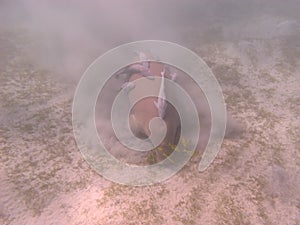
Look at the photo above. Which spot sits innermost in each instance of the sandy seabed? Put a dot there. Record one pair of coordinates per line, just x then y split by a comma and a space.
254, 179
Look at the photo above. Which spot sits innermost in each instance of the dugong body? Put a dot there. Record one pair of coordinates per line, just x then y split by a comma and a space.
149, 108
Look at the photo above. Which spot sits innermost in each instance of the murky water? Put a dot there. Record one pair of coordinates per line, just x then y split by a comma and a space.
254, 179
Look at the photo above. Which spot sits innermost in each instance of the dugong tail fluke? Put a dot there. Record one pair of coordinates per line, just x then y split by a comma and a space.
142, 68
